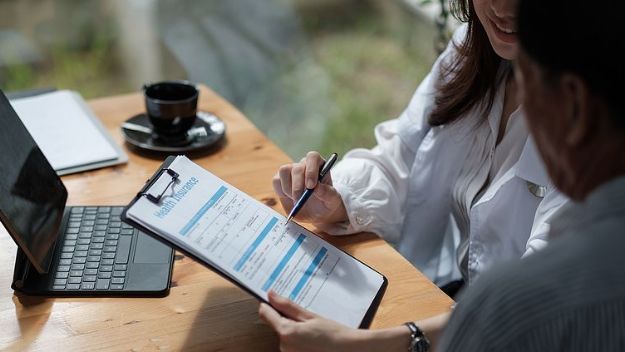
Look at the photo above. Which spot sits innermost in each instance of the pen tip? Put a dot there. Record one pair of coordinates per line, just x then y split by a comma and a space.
289, 219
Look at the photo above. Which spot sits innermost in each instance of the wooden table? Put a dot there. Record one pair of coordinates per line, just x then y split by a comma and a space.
203, 311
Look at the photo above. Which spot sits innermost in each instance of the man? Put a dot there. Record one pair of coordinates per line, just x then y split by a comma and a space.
570, 296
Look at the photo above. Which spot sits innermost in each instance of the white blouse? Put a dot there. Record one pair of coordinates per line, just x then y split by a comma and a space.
449, 198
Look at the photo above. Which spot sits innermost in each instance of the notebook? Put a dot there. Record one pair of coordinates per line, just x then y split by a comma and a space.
252, 245
67, 131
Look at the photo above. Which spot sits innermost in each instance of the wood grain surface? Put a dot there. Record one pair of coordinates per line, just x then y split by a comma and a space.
203, 311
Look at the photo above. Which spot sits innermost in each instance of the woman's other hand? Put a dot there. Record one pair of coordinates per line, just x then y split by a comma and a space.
302, 331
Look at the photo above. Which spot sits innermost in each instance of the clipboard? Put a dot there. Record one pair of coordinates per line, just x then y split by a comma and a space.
154, 195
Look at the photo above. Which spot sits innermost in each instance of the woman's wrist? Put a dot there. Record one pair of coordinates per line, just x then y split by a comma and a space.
391, 339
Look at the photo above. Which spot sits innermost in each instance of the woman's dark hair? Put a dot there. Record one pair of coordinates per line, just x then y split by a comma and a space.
581, 38
471, 76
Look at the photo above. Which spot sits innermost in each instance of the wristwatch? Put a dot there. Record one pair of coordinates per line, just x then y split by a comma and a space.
418, 341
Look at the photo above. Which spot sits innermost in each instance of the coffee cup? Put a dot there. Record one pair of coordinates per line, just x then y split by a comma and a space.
171, 107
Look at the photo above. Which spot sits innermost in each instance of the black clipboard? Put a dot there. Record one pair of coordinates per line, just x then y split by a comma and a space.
165, 169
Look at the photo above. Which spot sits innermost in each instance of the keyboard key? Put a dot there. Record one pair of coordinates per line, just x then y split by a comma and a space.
74, 280
110, 242
104, 209
79, 260
73, 224
120, 267
63, 268
82, 247
77, 266
102, 284
67, 255
93, 265
91, 209
117, 287
68, 249
80, 254
117, 280
104, 275
115, 224
86, 229
69, 242
87, 285
100, 227
102, 221
126, 226
108, 255
84, 241
72, 236
62, 274
84, 235
60, 281
90, 217
127, 231
123, 250
77, 210
90, 272
110, 249
111, 236
114, 230
75, 273
88, 278
72, 230
106, 268
65, 261
106, 262
93, 258
97, 252
99, 233
117, 210
72, 287
58, 287
119, 273
96, 245
97, 240
88, 223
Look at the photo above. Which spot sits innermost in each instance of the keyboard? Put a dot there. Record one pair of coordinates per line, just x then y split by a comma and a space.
95, 250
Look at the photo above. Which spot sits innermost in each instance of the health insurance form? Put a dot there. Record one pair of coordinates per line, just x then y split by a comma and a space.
253, 245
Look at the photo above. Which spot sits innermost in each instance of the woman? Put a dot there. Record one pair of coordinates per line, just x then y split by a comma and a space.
454, 183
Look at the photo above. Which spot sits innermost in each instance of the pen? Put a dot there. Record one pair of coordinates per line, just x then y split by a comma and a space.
325, 168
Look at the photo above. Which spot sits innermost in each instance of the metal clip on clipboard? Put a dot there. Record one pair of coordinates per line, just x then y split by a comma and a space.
157, 198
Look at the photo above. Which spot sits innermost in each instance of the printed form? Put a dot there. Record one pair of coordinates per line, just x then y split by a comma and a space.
252, 244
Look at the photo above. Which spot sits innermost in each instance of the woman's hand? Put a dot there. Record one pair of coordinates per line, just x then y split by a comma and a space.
302, 331
325, 206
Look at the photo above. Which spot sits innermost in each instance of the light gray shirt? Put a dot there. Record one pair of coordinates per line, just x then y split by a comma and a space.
569, 297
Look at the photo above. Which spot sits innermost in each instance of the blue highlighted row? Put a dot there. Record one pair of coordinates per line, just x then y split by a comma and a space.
255, 244
220, 192
276, 272
308, 273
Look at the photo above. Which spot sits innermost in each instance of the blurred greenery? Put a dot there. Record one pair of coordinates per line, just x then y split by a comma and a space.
372, 54
374, 65
84, 69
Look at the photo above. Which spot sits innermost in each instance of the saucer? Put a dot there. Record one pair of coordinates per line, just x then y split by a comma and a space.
205, 134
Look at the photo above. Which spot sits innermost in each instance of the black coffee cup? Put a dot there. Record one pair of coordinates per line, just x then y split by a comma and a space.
171, 107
